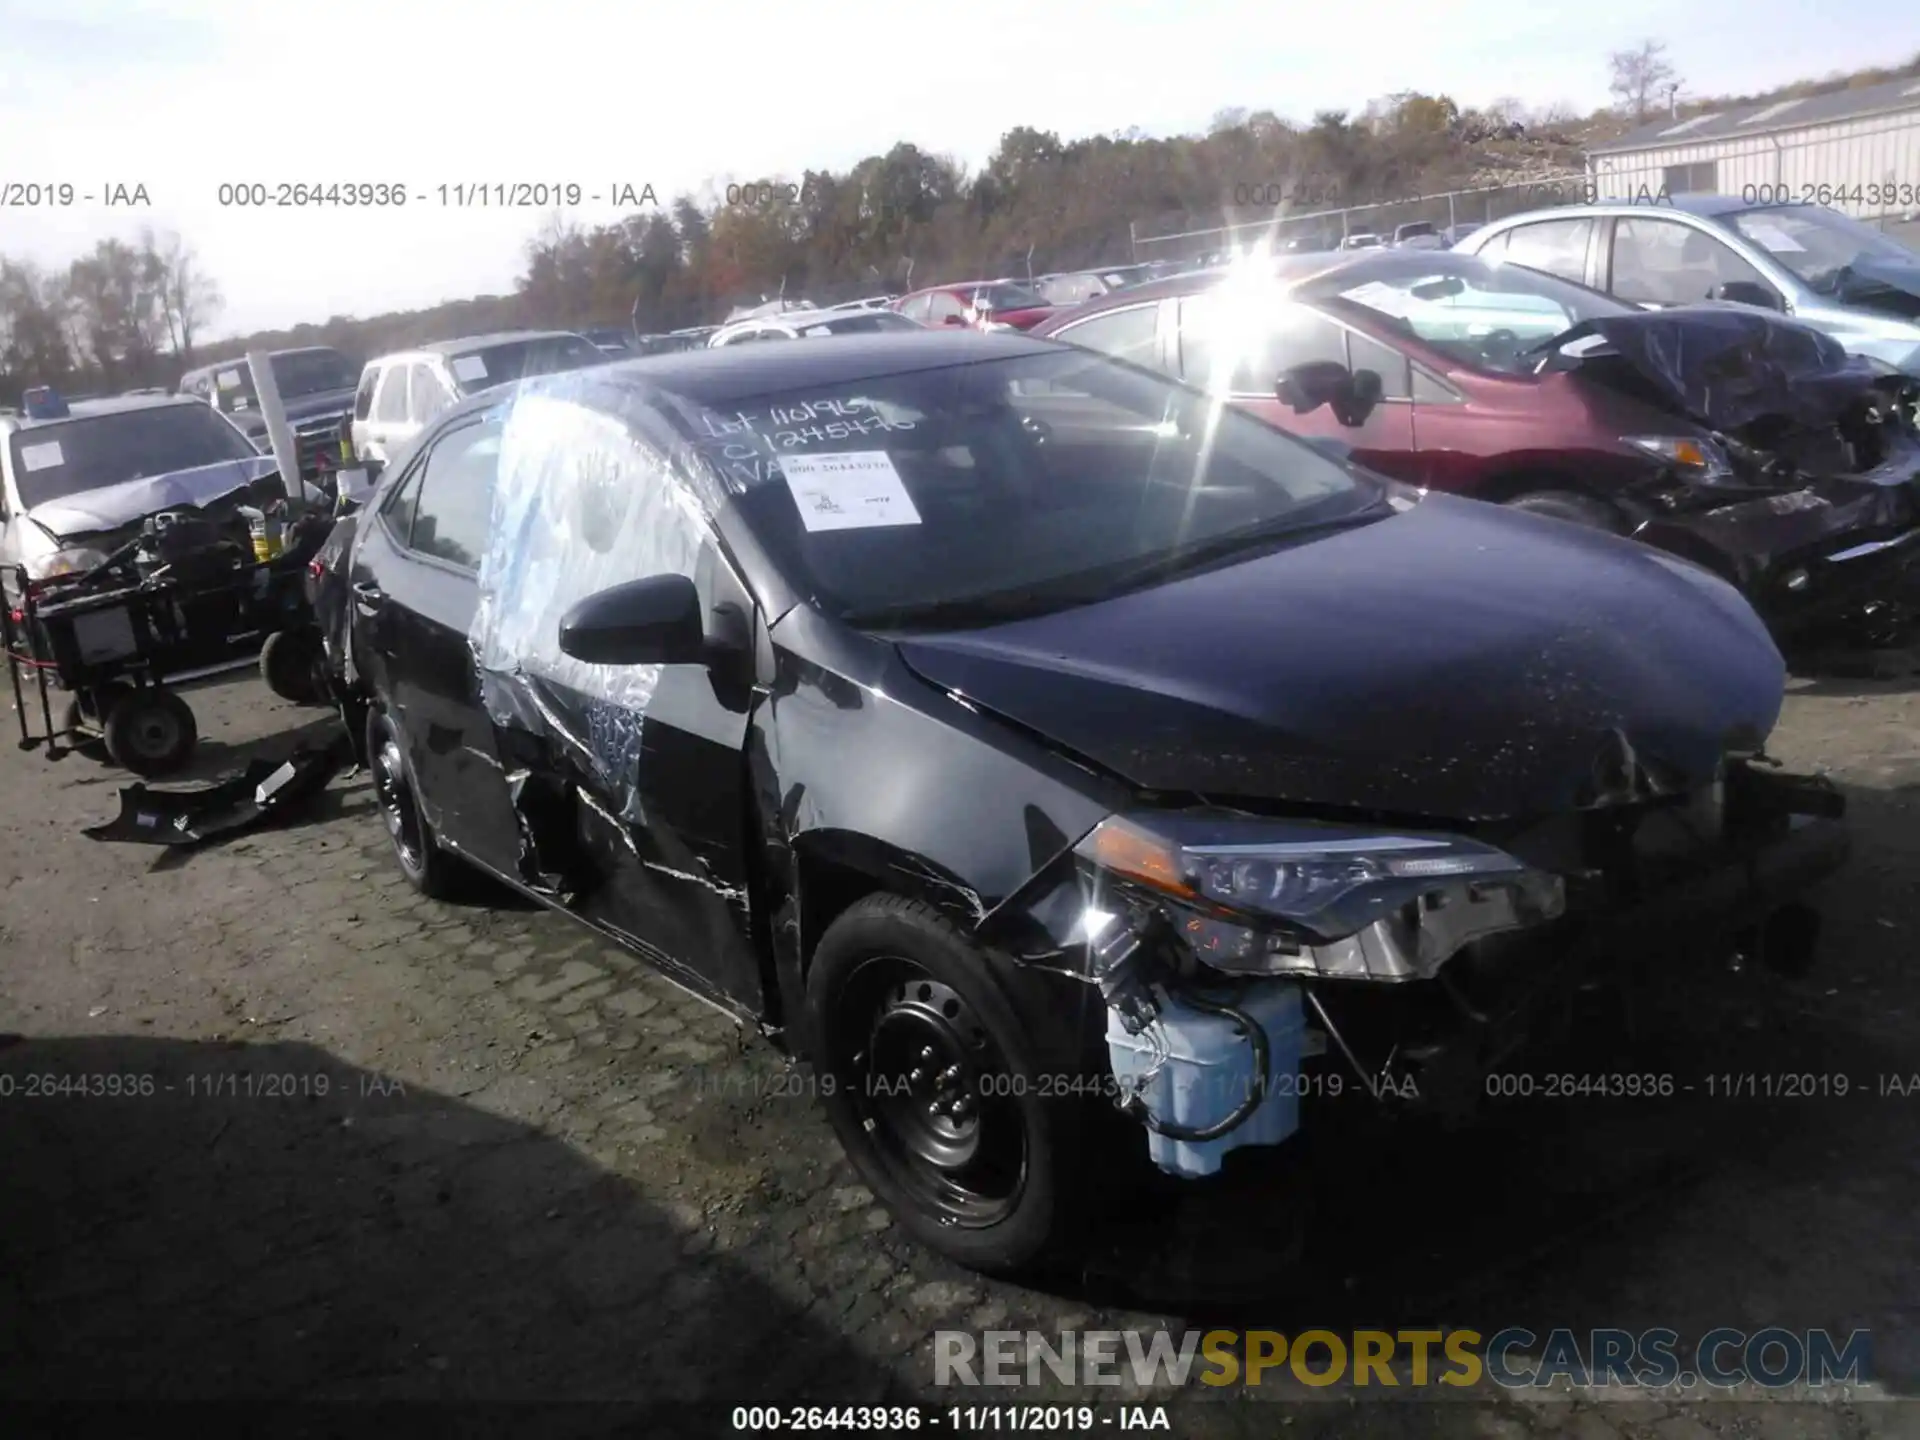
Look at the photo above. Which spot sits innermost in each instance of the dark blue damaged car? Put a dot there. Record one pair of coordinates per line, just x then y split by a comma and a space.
1068, 769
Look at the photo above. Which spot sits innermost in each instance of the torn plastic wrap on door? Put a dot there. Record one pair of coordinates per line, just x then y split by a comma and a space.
582, 502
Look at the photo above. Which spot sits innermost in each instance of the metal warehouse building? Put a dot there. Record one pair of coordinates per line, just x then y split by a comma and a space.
1855, 150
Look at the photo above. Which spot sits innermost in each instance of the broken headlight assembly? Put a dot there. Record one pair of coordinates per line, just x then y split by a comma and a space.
1315, 900
1698, 462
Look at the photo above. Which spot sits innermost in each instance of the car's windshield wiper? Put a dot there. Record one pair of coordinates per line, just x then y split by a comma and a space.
999, 606
985, 608
1185, 558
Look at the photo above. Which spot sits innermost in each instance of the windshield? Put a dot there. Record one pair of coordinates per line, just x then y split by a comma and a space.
298, 373
1484, 315
51, 462
1817, 244
482, 369
1007, 297
312, 372
944, 496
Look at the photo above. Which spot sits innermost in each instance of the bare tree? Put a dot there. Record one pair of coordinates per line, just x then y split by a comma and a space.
1642, 78
188, 297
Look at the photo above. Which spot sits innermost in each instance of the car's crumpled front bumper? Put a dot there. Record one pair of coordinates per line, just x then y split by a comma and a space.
1807, 555
1641, 889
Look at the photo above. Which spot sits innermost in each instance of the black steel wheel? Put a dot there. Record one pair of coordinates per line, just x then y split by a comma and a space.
428, 868
291, 663
150, 731
937, 1088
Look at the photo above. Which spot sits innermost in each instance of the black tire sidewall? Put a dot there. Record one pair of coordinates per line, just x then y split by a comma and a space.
381, 726
892, 926
126, 712
287, 665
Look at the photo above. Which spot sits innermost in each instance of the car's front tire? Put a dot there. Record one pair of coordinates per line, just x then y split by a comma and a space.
428, 868
954, 1109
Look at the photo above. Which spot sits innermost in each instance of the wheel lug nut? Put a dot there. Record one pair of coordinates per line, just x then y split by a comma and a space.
917, 1075
927, 1053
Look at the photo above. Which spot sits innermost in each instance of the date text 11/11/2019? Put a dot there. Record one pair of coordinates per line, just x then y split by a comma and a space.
199, 1085
460, 195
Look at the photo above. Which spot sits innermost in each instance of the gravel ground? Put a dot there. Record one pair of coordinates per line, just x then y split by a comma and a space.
397, 1150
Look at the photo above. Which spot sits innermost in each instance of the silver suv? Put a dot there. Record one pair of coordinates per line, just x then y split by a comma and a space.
1827, 269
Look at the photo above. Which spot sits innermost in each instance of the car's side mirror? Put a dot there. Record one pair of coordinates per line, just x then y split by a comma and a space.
1366, 388
1746, 292
1305, 388
954, 320
655, 621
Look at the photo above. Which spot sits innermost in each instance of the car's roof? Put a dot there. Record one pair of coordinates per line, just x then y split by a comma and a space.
485, 342
1314, 273
731, 375
241, 360
471, 343
1701, 206
112, 405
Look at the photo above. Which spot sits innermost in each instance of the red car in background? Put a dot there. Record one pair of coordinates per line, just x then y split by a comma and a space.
976, 303
1745, 442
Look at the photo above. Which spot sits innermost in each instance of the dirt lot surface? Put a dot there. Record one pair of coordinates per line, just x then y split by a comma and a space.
398, 1150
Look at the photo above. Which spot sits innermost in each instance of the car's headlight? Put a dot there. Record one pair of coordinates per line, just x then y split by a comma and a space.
1303, 897
1702, 461
52, 564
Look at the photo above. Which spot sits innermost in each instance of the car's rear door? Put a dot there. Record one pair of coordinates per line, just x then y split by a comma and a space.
421, 561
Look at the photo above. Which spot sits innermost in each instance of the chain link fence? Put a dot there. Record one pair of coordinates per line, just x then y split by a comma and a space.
1289, 227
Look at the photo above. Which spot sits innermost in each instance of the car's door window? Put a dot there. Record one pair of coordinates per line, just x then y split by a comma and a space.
427, 396
363, 397
390, 404
455, 508
1221, 350
396, 511
944, 307
1557, 247
1130, 334
918, 308
1393, 368
1664, 262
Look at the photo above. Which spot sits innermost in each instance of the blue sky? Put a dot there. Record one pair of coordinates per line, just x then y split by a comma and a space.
172, 94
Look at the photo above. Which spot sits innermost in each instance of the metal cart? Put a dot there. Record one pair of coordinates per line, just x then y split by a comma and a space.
119, 643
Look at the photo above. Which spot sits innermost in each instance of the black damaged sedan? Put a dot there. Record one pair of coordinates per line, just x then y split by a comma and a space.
1066, 767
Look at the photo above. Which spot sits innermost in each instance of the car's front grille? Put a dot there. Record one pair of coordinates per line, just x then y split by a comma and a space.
318, 437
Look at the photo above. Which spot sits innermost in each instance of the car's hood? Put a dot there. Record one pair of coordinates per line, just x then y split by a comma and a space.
114, 506
1457, 661
1728, 367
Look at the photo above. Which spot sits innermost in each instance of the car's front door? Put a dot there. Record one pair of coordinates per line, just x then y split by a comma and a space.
1219, 349
1658, 262
386, 427
670, 834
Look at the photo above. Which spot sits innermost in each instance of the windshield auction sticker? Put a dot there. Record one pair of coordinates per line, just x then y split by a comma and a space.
848, 490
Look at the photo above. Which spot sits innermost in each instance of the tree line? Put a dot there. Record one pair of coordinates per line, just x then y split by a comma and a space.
132, 314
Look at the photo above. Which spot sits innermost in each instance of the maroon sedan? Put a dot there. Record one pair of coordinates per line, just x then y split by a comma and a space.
1740, 440
976, 303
